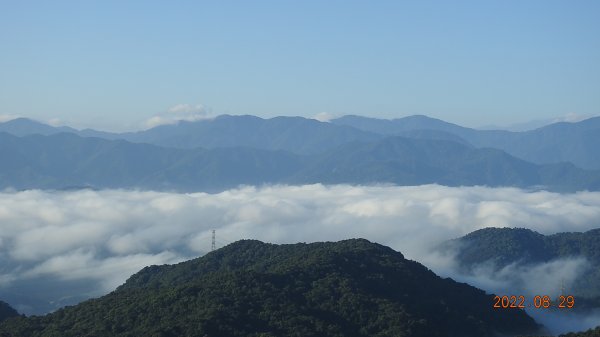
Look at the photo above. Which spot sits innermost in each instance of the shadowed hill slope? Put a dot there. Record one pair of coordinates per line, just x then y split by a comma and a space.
6, 311
506, 246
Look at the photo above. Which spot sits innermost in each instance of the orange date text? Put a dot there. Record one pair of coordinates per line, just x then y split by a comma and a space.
538, 302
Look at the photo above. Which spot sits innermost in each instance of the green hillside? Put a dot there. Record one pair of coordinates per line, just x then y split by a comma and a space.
249, 288
505, 246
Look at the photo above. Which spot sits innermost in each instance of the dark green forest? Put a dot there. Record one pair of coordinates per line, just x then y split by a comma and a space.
249, 288
590, 333
6, 311
504, 246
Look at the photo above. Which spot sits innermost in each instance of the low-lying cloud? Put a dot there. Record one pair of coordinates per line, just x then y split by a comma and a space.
324, 117
545, 278
102, 237
572, 117
6, 118
177, 113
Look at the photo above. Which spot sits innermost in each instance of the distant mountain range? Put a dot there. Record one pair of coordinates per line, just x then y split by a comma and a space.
294, 134
558, 142
249, 288
555, 143
68, 161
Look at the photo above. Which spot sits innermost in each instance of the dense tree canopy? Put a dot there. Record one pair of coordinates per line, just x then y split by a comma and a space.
249, 288
505, 246
6, 311
590, 333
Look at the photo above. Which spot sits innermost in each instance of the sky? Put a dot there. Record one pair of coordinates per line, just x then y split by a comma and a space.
115, 65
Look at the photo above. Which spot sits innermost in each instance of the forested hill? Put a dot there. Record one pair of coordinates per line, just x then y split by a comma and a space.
590, 333
6, 311
505, 246
509, 245
250, 288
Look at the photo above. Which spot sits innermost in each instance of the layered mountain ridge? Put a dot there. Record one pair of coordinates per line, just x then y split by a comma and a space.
229, 151
67, 161
554, 143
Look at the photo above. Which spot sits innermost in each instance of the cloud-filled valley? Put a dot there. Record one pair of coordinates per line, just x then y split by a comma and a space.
145, 149
93, 240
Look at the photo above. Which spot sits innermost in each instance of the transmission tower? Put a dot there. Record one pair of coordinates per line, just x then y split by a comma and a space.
213, 246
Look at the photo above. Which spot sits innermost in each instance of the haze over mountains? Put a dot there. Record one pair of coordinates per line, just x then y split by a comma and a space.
558, 142
72, 253
216, 154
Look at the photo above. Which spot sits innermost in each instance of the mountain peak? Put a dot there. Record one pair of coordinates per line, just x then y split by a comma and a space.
25, 126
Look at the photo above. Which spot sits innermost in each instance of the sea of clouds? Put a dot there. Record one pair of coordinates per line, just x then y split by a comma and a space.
61, 247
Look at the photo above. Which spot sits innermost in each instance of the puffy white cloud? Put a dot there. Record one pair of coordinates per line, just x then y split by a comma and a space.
179, 112
324, 116
102, 237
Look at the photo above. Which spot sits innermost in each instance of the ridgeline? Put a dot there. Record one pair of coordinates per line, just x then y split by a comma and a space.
250, 288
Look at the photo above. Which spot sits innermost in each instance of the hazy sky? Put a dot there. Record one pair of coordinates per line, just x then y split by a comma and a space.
115, 64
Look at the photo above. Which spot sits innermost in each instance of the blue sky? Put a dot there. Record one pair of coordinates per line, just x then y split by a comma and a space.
115, 64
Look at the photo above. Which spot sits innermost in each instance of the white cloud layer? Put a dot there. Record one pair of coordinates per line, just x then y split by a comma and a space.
102, 237
177, 113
